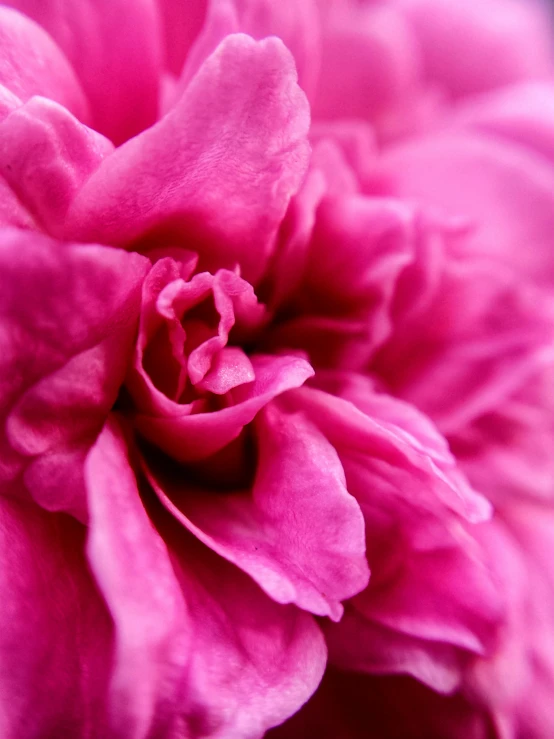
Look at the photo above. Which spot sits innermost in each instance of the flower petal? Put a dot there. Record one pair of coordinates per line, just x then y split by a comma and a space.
135, 575
32, 64
298, 533
114, 46
253, 662
46, 156
63, 353
55, 632
217, 172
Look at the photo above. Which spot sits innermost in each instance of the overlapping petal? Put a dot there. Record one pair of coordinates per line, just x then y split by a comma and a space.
68, 320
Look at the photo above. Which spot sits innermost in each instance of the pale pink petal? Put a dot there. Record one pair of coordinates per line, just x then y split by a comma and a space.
216, 174
253, 662
521, 113
32, 64
55, 632
470, 47
298, 533
46, 156
115, 48
505, 192
134, 573
67, 320
370, 65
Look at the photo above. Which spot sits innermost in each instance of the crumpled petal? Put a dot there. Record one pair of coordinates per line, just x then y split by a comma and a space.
114, 46
216, 174
298, 533
63, 355
32, 64
56, 636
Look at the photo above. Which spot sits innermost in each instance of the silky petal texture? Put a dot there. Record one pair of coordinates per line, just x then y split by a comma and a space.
503, 190
63, 355
227, 159
253, 662
56, 639
468, 48
298, 533
133, 569
32, 64
114, 47
46, 156
296, 24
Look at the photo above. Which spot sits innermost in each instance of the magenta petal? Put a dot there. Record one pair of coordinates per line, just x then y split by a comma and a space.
298, 533
227, 158
253, 662
46, 156
134, 573
55, 632
190, 436
63, 354
32, 64
114, 46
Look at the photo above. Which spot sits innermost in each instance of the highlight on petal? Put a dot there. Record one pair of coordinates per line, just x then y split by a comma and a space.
63, 355
114, 47
32, 64
215, 175
298, 532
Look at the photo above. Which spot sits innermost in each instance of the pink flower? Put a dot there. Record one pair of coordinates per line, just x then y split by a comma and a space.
275, 390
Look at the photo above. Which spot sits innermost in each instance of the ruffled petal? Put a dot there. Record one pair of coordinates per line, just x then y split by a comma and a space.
216, 174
